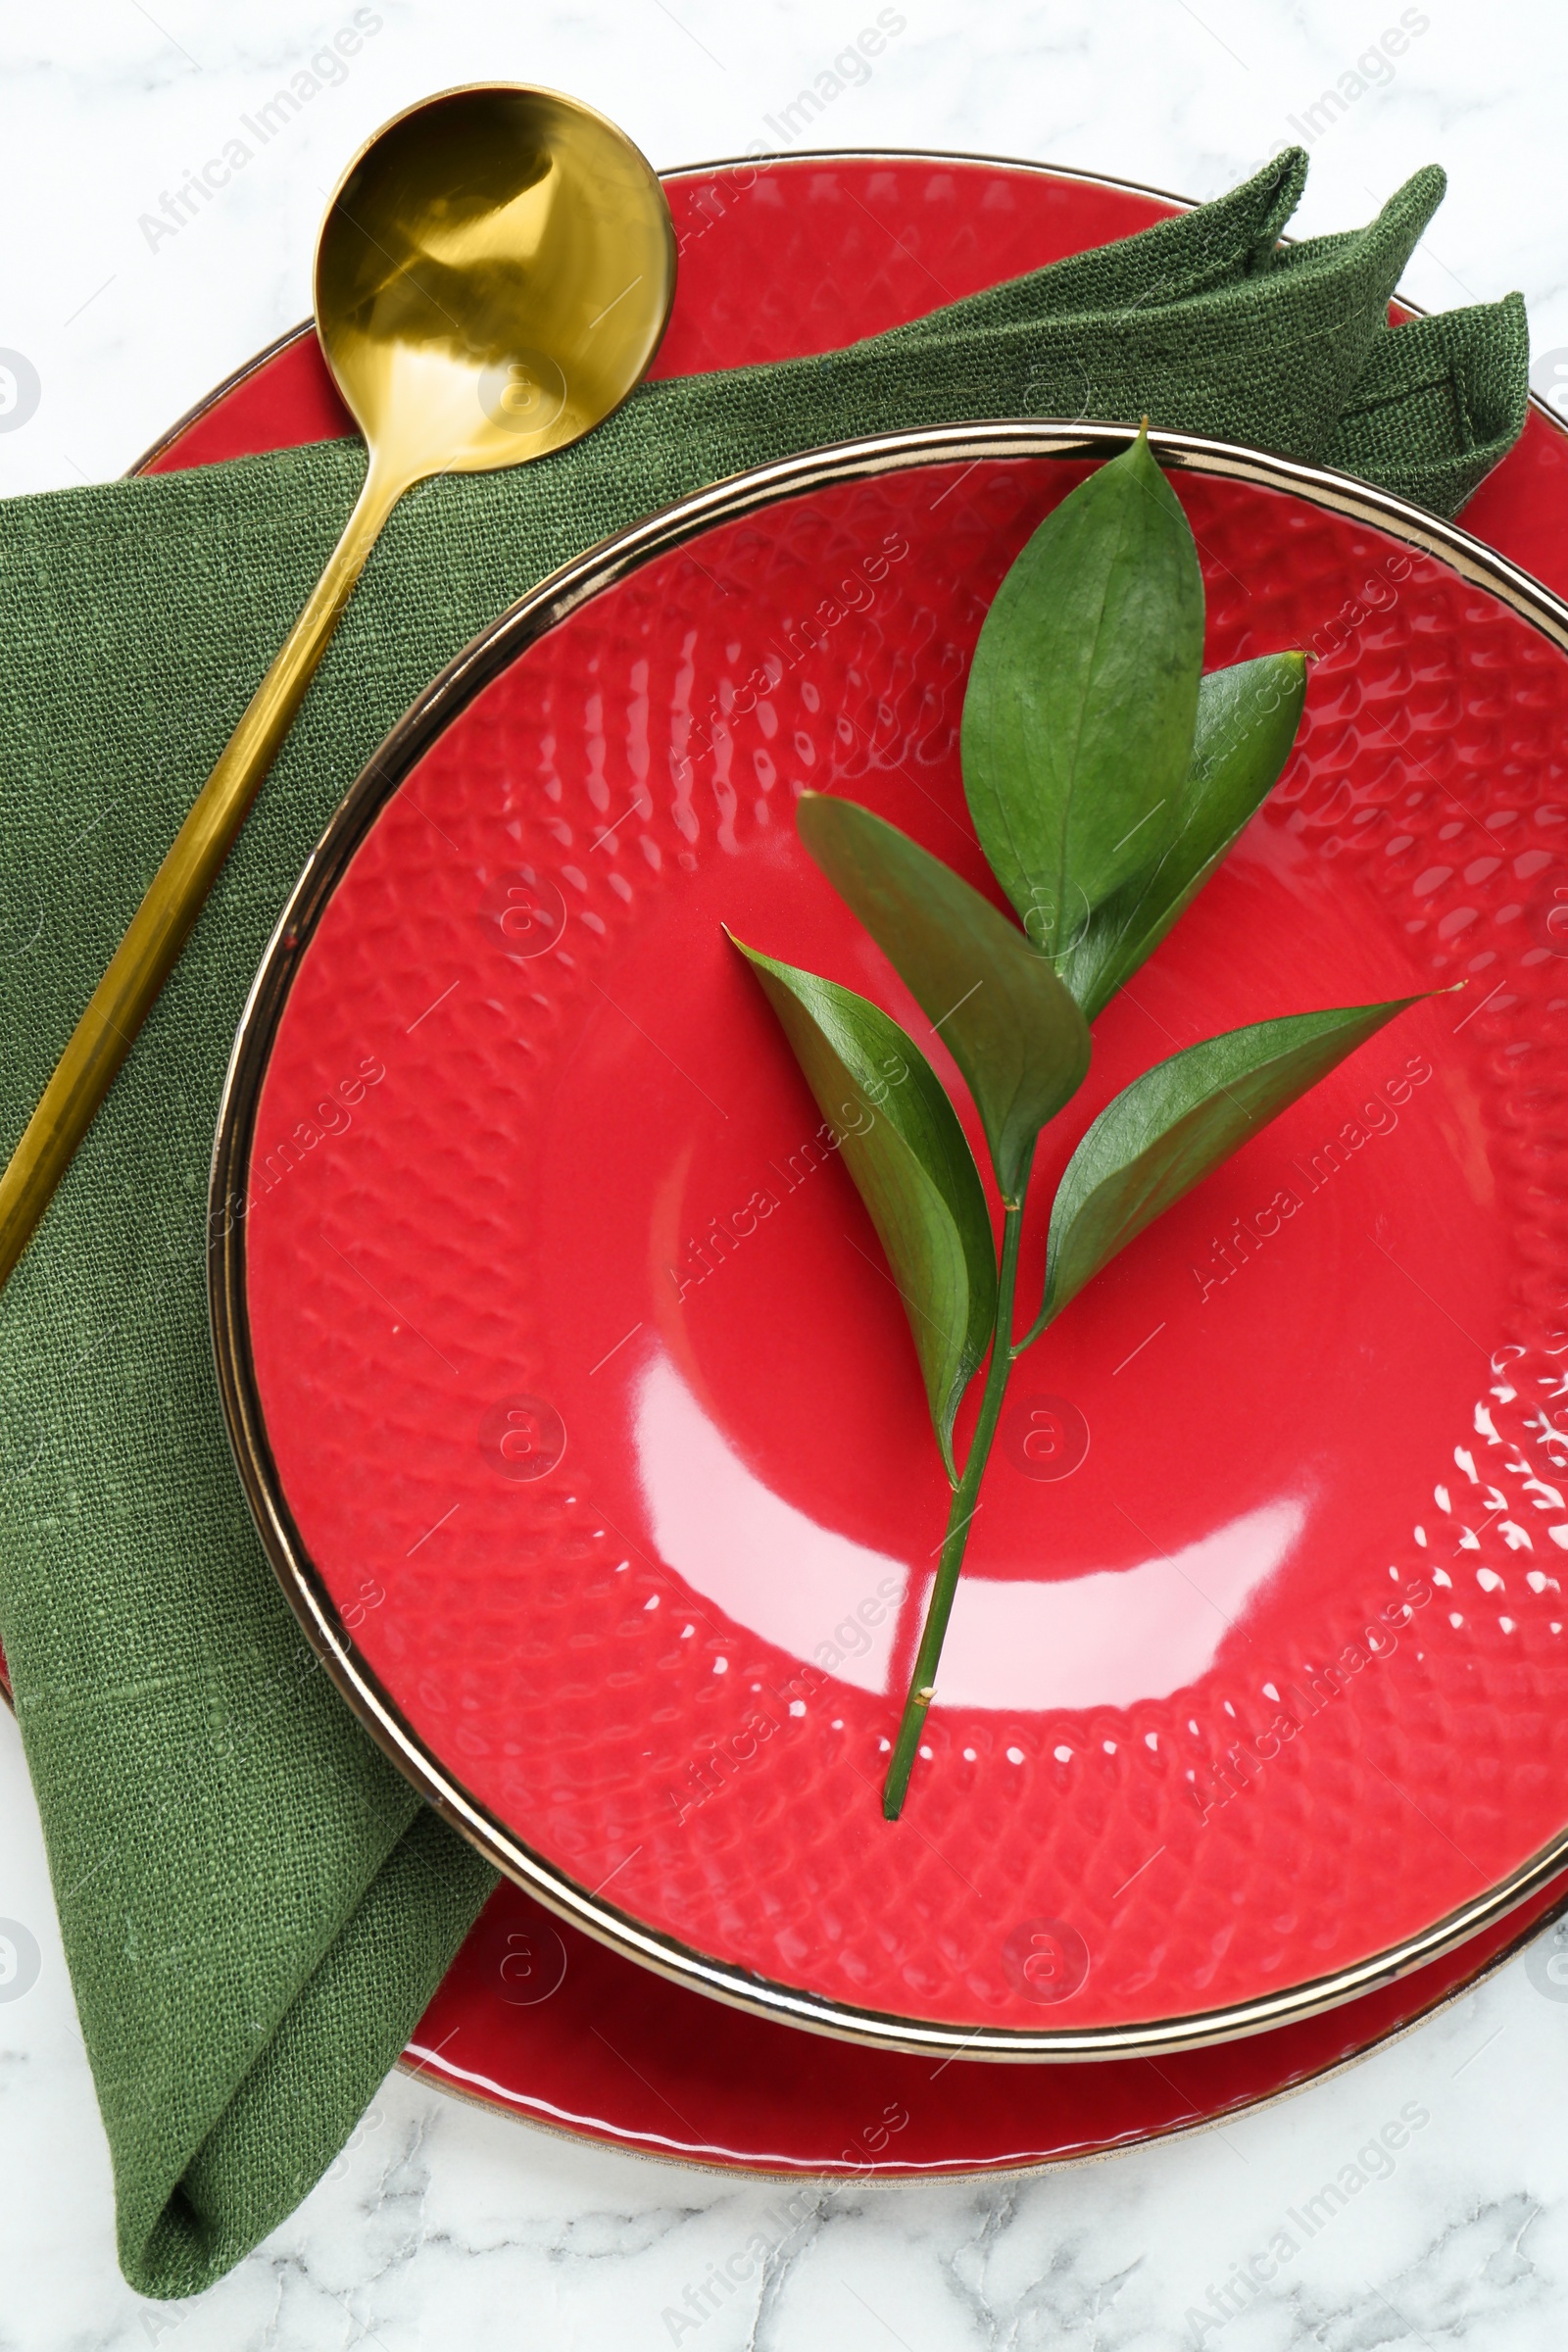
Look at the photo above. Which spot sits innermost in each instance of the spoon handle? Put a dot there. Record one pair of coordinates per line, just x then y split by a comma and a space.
167, 915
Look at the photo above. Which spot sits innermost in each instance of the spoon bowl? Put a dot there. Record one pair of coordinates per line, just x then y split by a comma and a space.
493, 276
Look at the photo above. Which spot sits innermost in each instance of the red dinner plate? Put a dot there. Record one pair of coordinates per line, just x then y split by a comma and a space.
511, 2026
547, 1320
542, 2022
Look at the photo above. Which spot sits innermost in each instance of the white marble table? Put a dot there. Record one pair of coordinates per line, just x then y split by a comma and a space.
442, 2226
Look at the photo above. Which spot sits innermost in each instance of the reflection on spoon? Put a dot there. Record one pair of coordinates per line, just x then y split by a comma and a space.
1108, 1639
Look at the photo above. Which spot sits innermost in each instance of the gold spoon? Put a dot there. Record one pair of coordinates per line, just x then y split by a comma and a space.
493, 275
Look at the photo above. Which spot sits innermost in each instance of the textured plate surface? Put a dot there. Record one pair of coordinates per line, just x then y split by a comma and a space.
568, 1344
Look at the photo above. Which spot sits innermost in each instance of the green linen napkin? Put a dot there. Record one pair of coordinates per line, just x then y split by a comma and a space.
254, 1906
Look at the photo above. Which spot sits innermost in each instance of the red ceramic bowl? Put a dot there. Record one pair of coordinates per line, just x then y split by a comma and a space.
1261, 1704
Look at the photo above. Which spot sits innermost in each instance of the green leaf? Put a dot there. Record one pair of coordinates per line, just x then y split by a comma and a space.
1166, 1132
1012, 1027
901, 1140
1082, 699
1248, 716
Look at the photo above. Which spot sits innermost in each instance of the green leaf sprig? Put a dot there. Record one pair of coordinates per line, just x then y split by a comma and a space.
1106, 778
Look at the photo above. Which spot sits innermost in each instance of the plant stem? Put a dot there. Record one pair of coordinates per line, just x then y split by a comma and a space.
922, 1682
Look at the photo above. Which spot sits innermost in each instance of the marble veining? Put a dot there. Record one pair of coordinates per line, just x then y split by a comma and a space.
440, 2223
